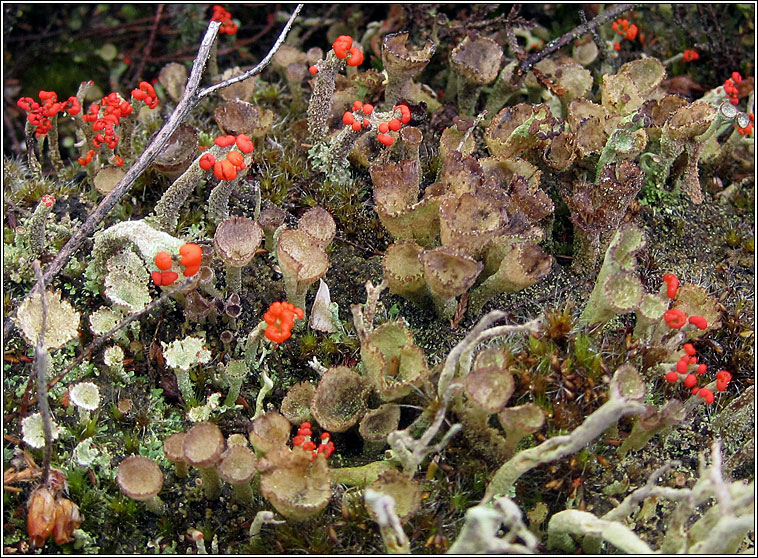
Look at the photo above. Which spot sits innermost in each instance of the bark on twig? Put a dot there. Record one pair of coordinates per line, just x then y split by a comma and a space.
565, 39
149, 45
188, 101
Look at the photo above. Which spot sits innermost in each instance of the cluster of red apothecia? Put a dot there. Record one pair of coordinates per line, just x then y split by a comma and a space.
687, 368
689, 55
227, 169
280, 318
227, 25
343, 48
394, 124
39, 115
191, 256
625, 29
303, 440
103, 116
730, 88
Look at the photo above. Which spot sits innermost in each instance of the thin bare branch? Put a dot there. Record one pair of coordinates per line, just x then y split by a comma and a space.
259, 67
188, 101
563, 40
149, 45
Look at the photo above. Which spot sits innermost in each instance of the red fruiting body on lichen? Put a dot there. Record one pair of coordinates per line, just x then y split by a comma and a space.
366, 123
235, 158
280, 318
722, 380
348, 118
191, 257
164, 278
84, 161
356, 57
681, 366
357, 105
225, 141
706, 394
342, 45
224, 170
701, 369
689, 348
244, 143
384, 128
672, 284
731, 90
48, 200
207, 161
699, 321
405, 113
690, 381
385, 139
616, 46
227, 25
313, 70
675, 318
690, 55
163, 260
357, 126
146, 93
747, 130
367, 108
671, 376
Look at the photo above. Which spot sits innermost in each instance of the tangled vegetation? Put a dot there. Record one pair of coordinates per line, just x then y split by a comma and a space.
379, 279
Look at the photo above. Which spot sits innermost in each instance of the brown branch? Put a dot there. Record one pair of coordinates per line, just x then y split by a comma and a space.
509, 33
259, 67
238, 44
150, 41
565, 39
188, 101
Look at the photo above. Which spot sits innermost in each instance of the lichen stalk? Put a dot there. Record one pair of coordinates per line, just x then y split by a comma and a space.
53, 147
243, 493
235, 385
185, 384
320, 105
211, 482
167, 208
36, 234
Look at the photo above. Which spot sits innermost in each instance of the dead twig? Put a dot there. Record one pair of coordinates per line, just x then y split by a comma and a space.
150, 41
565, 39
188, 101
